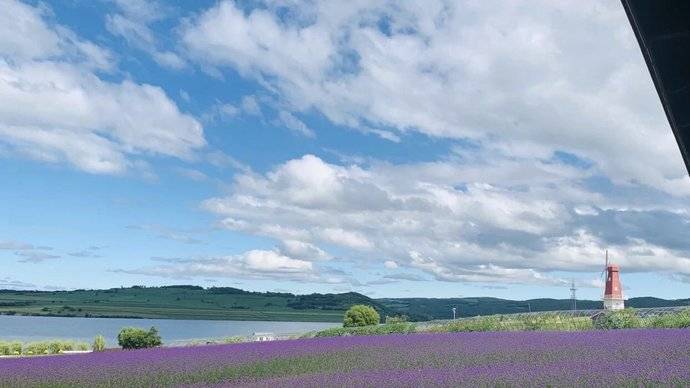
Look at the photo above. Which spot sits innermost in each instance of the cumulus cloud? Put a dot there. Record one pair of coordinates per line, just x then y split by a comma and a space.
525, 80
253, 264
508, 221
303, 250
54, 106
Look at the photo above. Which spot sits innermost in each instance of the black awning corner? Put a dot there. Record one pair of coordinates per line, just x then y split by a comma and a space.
662, 28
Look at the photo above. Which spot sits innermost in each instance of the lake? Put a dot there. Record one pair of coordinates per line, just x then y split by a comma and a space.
173, 331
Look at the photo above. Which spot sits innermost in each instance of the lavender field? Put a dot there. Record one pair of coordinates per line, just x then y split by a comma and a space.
638, 357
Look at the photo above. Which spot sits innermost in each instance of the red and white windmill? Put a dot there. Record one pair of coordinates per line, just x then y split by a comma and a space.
613, 291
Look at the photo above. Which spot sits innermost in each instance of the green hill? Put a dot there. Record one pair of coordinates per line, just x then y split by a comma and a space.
424, 309
184, 302
228, 303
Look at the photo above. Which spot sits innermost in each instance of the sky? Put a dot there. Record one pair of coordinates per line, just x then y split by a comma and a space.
397, 149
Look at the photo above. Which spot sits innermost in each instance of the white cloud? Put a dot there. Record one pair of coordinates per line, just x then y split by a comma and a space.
221, 159
303, 250
133, 22
251, 106
31, 256
294, 124
254, 264
23, 34
507, 221
524, 80
271, 261
220, 111
55, 108
390, 264
15, 245
192, 174
85, 253
346, 238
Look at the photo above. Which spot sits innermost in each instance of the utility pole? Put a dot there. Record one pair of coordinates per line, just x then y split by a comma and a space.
529, 307
573, 296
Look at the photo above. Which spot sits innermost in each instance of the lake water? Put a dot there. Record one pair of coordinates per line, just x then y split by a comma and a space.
173, 331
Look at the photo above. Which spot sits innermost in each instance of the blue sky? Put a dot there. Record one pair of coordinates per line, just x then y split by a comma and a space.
451, 149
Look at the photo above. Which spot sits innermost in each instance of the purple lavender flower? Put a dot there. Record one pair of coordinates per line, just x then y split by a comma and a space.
601, 358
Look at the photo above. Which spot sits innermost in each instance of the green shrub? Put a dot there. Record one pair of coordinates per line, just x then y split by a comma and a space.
392, 328
56, 347
553, 322
620, 319
396, 319
234, 340
490, 323
136, 338
10, 348
361, 315
677, 320
36, 348
98, 343
53, 347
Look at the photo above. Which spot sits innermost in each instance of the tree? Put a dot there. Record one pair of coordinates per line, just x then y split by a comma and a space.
135, 338
361, 315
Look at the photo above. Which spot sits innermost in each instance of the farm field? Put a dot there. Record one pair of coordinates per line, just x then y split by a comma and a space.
636, 357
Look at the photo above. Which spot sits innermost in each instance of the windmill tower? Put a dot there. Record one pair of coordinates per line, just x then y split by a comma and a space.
613, 292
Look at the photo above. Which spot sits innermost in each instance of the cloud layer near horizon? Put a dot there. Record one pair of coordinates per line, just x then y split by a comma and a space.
457, 221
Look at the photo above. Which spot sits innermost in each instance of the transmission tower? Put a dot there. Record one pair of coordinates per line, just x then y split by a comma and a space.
573, 296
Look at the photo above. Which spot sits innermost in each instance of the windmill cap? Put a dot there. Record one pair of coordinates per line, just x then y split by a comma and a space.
613, 267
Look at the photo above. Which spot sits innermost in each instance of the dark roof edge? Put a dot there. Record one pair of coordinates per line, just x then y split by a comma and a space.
660, 89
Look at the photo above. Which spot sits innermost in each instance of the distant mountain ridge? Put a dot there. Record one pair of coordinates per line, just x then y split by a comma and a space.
424, 309
185, 302
229, 303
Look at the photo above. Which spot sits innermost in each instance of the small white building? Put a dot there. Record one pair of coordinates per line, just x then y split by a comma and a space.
262, 337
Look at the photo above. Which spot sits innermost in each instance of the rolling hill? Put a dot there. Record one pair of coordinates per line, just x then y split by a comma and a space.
424, 309
228, 303
184, 302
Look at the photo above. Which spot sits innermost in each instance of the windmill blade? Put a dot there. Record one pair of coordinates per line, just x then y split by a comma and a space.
603, 272
606, 266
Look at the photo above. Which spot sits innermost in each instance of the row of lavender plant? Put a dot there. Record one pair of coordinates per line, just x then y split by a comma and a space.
616, 357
